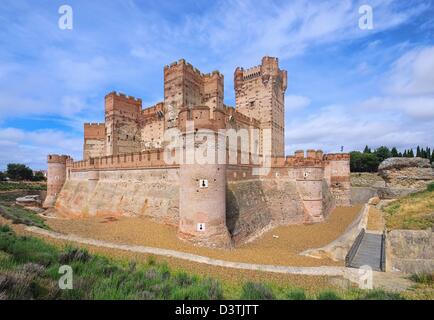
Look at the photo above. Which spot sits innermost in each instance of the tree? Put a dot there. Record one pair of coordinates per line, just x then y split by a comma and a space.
363, 162
367, 149
418, 152
410, 153
432, 157
16, 171
382, 153
39, 176
2, 176
394, 152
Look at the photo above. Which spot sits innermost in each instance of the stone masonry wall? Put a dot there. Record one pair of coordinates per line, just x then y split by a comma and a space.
410, 251
153, 193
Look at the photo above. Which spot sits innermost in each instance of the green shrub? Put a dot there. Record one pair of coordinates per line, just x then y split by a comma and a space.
5, 228
378, 294
295, 294
328, 295
423, 278
430, 187
256, 291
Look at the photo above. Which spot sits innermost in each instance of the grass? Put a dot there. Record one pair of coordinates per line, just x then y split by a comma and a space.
423, 278
17, 214
413, 212
29, 269
9, 186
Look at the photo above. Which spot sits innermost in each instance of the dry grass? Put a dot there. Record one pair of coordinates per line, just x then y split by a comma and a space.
414, 212
375, 219
282, 250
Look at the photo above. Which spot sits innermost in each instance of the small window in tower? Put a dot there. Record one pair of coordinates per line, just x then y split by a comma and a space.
108, 138
127, 137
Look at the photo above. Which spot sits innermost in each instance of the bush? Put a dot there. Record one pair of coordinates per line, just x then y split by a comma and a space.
73, 255
363, 162
328, 295
423, 278
430, 187
256, 291
378, 294
296, 294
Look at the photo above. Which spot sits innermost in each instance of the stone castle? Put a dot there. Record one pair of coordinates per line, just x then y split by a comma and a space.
217, 204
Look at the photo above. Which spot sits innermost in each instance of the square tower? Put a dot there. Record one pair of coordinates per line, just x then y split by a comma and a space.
122, 130
260, 94
185, 87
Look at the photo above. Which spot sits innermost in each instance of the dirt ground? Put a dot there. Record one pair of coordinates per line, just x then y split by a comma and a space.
269, 249
375, 220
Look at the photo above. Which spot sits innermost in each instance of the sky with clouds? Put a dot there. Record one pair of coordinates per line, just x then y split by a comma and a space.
346, 86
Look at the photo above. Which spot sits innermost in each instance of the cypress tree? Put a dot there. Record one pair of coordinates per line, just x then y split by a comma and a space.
411, 153
367, 149
418, 153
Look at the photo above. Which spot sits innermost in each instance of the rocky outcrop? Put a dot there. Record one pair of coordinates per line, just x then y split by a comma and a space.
404, 176
410, 251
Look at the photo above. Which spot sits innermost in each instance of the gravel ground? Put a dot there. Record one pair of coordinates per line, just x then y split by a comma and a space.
265, 250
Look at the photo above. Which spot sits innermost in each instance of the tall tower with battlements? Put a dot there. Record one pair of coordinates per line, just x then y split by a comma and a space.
259, 93
185, 87
122, 130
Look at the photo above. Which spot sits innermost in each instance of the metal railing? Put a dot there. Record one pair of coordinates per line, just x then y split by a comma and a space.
353, 250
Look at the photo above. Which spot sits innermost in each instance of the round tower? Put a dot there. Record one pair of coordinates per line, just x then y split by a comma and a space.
56, 177
202, 195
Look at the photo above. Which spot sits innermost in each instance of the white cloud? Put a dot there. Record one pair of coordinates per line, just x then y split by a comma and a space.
32, 147
295, 102
420, 108
413, 73
336, 126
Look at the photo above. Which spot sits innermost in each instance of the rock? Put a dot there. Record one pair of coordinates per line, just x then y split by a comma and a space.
374, 201
29, 201
405, 175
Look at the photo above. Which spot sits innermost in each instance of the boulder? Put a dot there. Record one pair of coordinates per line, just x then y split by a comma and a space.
406, 175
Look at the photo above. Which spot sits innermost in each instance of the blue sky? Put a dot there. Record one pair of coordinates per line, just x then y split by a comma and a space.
346, 86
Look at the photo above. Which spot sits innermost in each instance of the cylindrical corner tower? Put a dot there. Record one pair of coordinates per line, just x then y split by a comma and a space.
56, 177
202, 203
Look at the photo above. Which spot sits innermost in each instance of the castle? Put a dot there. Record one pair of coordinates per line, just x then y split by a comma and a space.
125, 171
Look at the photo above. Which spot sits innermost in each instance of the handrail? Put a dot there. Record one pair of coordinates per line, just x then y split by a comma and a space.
383, 252
353, 250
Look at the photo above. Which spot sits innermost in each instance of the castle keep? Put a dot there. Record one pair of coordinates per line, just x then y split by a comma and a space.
216, 203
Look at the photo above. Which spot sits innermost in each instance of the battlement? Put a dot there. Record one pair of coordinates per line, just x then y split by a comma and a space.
120, 101
181, 63
337, 156
310, 158
94, 124
146, 159
55, 158
94, 131
123, 96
